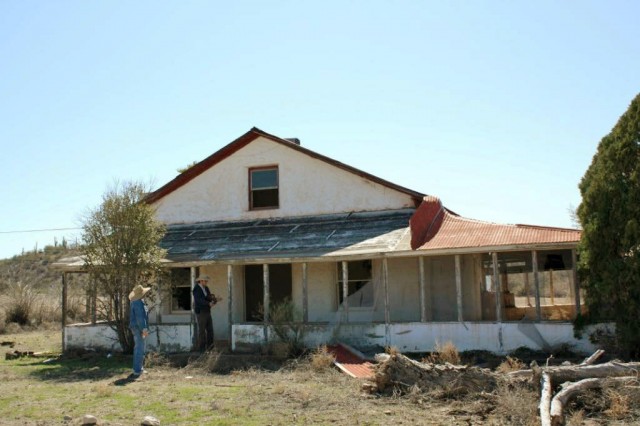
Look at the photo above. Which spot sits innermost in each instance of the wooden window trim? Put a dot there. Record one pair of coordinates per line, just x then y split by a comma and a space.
250, 192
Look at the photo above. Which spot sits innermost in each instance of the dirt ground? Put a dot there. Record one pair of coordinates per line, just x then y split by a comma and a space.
212, 389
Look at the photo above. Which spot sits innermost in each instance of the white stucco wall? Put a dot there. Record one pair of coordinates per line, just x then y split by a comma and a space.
424, 337
164, 338
307, 187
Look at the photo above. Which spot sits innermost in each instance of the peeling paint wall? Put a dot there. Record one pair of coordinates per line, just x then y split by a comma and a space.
221, 193
164, 338
423, 337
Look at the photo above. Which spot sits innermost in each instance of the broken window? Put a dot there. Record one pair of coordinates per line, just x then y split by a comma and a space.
180, 290
359, 284
263, 188
557, 287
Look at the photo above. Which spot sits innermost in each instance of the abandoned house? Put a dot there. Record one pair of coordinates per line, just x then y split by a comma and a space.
362, 260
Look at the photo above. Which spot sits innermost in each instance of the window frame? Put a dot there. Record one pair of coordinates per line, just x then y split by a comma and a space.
251, 190
350, 281
188, 286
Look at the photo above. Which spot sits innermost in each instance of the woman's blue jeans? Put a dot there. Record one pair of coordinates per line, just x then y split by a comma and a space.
138, 350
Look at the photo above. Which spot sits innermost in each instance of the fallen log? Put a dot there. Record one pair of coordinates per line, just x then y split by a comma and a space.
574, 373
545, 399
570, 389
593, 358
398, 371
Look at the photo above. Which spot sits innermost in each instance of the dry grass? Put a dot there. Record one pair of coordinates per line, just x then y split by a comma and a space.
444, 353
304, 391
510, 364
321, 359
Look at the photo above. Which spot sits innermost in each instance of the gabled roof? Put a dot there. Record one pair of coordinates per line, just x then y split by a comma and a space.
346, 234
249, 137
434, 227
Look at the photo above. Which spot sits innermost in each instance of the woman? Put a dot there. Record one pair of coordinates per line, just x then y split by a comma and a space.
139, 325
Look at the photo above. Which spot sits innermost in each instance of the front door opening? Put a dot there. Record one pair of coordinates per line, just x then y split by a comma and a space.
280, 284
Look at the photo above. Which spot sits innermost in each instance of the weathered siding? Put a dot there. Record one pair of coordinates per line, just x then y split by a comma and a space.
307, 187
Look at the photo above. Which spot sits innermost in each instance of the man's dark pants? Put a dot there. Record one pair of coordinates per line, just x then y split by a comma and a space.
205, 331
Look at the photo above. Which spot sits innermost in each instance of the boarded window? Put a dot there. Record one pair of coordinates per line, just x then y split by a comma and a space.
263, 188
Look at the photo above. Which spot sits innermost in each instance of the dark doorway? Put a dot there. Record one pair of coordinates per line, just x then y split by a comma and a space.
279, 288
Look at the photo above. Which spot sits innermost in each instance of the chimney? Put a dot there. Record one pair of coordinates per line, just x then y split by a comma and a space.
293, 140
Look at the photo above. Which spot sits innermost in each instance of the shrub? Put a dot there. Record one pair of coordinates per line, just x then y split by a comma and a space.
321, 358
443, 353
22, 298
510, 364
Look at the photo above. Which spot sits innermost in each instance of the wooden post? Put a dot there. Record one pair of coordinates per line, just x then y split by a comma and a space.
64, 309
265, 283
423, 290
576, 281
193, 312
305, 295
496, 278
527, 288
230, 303
536, 283
94, 302
551, 289
459, 286
345, 290
385, 286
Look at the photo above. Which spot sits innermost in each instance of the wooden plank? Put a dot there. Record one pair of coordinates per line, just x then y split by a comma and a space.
64, 309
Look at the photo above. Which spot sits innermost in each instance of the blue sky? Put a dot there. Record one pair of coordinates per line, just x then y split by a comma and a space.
496, 107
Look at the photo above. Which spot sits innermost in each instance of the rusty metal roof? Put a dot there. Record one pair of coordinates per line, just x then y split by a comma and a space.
433, 227
313, 236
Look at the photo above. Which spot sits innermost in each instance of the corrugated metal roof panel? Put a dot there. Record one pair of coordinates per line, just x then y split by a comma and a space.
325, 235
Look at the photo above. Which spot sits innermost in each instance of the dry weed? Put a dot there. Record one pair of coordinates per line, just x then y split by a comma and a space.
517, 404
103, 390
444, 353
510, 364
321, 359
576, 418
156, 359
619, 404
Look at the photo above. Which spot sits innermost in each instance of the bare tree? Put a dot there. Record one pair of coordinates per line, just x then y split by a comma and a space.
121, 248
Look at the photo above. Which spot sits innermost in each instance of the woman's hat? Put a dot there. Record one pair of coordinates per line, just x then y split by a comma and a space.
138, 292
203, 278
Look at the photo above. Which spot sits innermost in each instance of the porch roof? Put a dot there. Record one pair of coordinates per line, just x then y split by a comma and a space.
434, 227
312, 236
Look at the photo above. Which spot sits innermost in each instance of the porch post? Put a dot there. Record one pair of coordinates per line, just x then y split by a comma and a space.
193, 312
496, 279
230, 303
265, 280
345, 290
536, 283
576, 280
423, 290
387, 312
305, 296
64, 309
94, 302
459, 287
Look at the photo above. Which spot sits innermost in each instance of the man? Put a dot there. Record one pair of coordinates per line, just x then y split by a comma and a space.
203, 300
139, 325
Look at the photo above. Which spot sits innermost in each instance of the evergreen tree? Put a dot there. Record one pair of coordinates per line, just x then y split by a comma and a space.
610, 218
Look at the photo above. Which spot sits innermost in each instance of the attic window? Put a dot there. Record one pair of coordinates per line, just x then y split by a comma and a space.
263, 188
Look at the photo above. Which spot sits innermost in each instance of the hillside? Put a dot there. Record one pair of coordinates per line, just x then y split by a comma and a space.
30, 290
